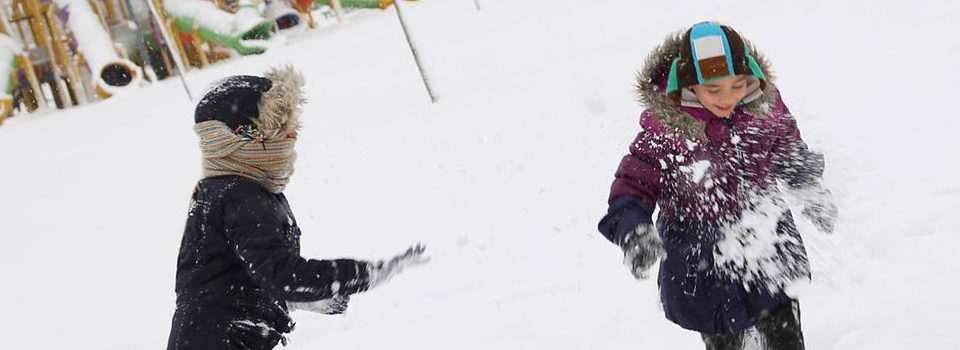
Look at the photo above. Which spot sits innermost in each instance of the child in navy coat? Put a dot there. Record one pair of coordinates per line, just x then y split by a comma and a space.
239, 271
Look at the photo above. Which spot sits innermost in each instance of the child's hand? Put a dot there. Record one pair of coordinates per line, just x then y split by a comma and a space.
821, 211
382, 271
823, 214
333, 306
641, 249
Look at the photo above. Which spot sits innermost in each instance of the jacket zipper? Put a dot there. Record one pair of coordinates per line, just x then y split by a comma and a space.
738, 143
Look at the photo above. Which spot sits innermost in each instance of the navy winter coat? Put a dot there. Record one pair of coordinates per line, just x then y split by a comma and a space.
240, 262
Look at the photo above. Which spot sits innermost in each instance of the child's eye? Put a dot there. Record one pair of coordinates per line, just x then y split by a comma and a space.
738, 87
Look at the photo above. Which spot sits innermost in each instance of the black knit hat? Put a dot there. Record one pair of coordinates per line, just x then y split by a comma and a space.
266, 107
233, 100
710, 51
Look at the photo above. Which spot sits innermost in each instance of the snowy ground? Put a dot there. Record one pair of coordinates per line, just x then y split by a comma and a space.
504, 179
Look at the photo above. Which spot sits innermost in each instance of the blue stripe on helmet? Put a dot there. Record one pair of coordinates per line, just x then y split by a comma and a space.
706, 29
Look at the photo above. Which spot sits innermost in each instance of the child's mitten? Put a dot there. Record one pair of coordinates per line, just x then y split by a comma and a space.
382, 271
332, 306
641, 249
821, 211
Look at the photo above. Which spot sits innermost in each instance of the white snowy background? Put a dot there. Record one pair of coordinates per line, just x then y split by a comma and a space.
504, 179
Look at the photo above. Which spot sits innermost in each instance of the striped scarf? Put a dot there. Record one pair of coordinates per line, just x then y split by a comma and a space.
270, 162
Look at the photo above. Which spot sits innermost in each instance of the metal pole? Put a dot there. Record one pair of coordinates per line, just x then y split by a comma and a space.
338, 10
416, 54
273, 20
176, 56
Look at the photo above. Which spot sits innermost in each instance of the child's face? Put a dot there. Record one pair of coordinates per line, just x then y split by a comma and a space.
721, 96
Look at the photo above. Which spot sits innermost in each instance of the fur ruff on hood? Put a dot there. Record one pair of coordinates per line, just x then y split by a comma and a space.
650, 89
280, 107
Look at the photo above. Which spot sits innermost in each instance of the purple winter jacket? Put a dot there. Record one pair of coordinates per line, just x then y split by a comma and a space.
705, 174
701, 178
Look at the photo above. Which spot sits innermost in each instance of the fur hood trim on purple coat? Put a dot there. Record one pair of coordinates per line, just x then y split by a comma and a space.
651, 84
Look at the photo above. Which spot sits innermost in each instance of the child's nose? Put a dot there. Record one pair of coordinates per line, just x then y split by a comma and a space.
730, 99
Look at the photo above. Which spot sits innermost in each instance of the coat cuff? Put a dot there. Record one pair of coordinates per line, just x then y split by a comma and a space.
624, 214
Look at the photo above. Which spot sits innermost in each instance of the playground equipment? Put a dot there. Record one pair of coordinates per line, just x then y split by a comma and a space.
355, 4
285, 16
304, 6
111, 73
60, 53
242, 31
9, 49
42, 68
64, 52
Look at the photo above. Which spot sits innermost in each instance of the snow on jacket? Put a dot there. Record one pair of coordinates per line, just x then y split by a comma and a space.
714, 181
239, 263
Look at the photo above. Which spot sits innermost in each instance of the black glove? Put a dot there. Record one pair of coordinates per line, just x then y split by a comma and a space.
641, 249
332, 306
821, 211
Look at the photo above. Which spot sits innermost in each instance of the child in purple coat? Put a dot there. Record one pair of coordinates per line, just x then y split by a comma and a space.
717, 151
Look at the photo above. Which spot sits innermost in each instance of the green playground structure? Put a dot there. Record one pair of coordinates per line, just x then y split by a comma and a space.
359, 4
235, 41
232, 30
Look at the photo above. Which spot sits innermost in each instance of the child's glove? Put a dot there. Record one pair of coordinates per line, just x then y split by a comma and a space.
333, 306
821, 211
641, 249
382, 271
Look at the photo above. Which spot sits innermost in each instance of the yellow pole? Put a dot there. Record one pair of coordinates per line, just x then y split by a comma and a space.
38, 100
56, 84
176, 37
198, 45
18, 17
111, 12
4, 26
159, 4
96, 9
124, 10
6, 104
163, 52
60, 54
31, 9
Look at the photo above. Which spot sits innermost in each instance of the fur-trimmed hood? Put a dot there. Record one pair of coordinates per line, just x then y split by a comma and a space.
652, 80
280, 107
264, 108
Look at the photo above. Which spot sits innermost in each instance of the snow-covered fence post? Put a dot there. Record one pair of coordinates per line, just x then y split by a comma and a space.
176, 55
416, 54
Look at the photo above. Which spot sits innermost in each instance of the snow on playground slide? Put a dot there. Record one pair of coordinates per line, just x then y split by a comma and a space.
504, 179
113, 74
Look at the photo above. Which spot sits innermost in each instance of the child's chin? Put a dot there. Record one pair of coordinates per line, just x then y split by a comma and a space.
722, 115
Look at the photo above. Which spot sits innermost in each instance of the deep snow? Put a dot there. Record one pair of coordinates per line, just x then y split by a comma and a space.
504, 179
